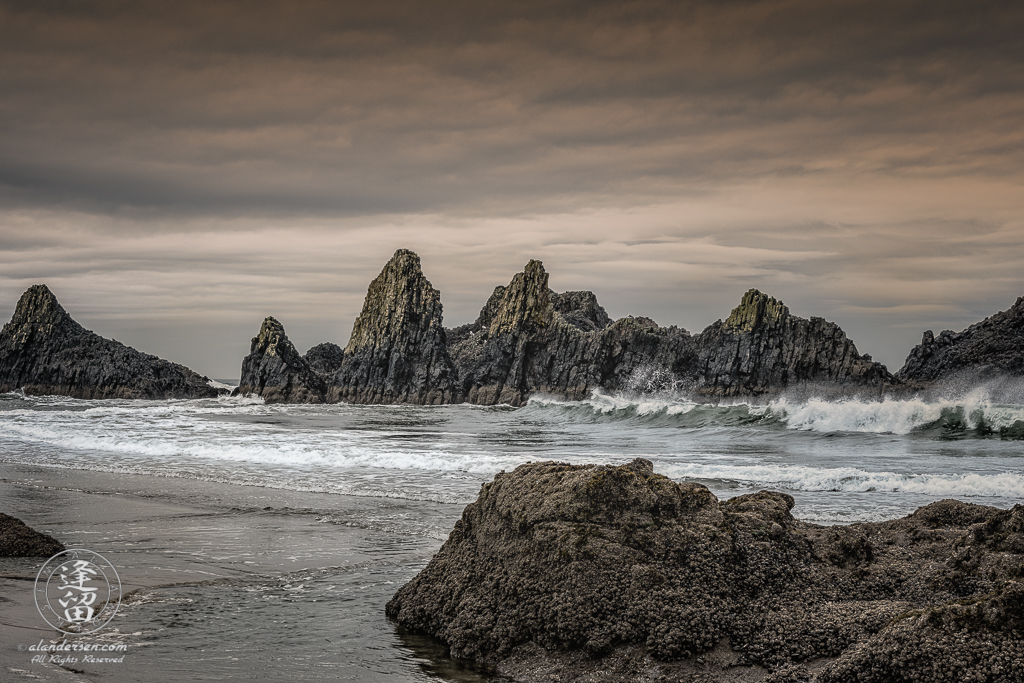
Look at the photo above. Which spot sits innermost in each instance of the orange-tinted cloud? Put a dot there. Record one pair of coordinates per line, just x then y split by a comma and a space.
170, 161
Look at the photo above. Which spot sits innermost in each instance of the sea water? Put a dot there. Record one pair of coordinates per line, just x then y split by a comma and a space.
348, 502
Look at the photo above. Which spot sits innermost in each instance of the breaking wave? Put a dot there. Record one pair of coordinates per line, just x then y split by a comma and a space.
975, 414
827, 450
855, 480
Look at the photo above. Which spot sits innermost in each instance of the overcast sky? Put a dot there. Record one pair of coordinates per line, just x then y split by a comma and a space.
177, 171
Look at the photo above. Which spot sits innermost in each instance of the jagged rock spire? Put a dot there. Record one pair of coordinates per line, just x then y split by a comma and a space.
398, 349
275, 371
762, 348
38, 308
756, 309
525, 304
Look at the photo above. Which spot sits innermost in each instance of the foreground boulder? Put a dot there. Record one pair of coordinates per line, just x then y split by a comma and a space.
993, 347
44, 351
17, 539
602, 573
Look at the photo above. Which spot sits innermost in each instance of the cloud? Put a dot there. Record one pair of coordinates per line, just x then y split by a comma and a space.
178, 171
338, 108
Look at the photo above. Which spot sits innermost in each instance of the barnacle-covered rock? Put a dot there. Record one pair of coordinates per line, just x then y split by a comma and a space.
610, 573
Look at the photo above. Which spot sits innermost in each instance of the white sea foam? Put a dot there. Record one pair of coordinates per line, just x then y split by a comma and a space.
607, 404
852, 479
897, 416
443, 454
357, 450
972, 411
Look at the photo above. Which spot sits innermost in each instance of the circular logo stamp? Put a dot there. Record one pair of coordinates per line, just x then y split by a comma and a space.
77, 591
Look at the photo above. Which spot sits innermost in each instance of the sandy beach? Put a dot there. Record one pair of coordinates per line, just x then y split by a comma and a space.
223, 582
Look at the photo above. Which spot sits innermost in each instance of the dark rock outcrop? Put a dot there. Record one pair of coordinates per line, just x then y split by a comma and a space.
398, 352
605, 573
762, 348
325, 359
275, 371
44, 351
17, 539
990, 348
529, 339
581, 310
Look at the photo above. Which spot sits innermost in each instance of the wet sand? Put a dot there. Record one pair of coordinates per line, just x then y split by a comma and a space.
225, 582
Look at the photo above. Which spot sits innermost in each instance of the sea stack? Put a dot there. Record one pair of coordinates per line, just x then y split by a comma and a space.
762, 348
495, 363
991, 348
529, 339
616, 573
398, 351
44, 351
275, 371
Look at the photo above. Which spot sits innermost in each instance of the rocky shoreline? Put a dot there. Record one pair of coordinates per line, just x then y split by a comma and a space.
602, 573
527, 340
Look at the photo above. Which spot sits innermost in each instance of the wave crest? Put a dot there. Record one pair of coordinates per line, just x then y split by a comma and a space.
975, 414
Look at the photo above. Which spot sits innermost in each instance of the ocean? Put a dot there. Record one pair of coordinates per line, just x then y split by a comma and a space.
263, 540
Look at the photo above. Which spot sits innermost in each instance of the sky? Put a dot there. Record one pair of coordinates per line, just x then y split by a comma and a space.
176, 172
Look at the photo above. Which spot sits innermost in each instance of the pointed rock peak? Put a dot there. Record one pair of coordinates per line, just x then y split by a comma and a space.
400, 298
271, 328
403, 268
756, 309
403, 256
38, 306
273, 341
525, 303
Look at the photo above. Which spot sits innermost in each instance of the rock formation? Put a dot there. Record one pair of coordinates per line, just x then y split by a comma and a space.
325, 359
529, 339
992, 347
605, 573
44, 351
398, 352
761, 348
17, 539
581, 310
275, 371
